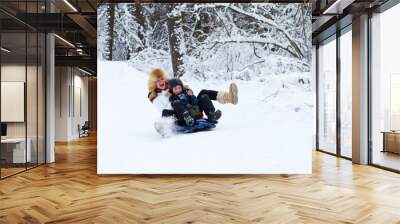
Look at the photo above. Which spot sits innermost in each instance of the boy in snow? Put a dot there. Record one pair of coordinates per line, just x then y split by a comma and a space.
187, 107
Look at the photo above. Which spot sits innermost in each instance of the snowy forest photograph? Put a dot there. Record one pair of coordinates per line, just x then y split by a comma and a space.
204, 88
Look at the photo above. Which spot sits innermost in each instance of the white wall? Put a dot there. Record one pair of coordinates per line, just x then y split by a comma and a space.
71, 102
62, 81
13, 101
81, 84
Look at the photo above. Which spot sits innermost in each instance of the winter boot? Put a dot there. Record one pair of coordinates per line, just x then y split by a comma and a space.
214, 116
189, 121
228, 97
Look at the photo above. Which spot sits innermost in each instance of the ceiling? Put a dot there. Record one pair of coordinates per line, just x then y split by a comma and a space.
329, 16
74, 22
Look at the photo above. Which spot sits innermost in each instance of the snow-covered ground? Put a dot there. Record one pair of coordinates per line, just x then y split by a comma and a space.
269, 131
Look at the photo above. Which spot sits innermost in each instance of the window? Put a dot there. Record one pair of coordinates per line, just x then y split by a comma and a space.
346, 94
327, 97
22, 77
385, 89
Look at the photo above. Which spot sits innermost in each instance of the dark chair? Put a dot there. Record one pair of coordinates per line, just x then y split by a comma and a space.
84, 130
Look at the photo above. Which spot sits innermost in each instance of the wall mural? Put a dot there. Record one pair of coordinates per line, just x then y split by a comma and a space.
204, 88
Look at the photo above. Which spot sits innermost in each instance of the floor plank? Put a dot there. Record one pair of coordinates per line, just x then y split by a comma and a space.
70, 191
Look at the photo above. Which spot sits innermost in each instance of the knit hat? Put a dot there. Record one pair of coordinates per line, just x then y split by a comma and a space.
174, 82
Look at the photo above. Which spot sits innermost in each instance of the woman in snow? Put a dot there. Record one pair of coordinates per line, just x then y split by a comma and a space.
159, 95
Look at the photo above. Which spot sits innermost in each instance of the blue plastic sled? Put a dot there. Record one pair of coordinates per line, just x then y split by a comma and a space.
201, 125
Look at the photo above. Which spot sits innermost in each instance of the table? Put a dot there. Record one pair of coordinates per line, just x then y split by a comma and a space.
391, 141
13, 150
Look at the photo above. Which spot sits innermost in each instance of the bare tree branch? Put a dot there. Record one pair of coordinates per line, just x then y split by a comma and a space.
255, 42
268, 21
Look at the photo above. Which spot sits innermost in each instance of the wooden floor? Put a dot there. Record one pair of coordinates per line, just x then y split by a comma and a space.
5, 172
69, 191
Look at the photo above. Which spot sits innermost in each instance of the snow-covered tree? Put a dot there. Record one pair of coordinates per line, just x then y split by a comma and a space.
106, 20
219, 40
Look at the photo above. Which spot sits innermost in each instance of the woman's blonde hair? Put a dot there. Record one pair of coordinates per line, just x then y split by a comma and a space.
155, 75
